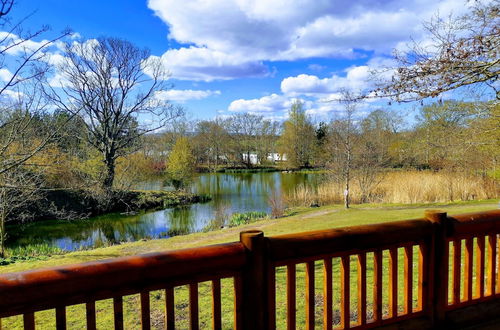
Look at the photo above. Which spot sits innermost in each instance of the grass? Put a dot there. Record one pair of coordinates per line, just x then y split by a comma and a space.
305, 219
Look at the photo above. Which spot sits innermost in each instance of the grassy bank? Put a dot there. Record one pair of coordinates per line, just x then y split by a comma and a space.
304, 219
79, 204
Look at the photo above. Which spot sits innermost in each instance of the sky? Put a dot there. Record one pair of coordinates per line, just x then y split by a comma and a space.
257, 56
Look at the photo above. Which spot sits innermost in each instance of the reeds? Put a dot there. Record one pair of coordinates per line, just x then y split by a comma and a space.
405, 187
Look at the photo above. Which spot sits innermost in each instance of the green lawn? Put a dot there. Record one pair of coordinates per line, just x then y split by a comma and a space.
303, 220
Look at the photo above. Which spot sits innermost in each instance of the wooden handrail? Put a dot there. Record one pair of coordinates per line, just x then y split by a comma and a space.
347, 239
437, 240
73, 284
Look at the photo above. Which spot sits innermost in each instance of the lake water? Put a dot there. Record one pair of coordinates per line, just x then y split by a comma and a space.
231, 193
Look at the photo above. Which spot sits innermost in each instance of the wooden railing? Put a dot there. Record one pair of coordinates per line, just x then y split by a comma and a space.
434, 272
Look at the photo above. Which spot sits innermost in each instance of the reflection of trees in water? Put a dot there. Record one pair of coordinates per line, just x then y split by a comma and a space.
108, 229
181, 221
231, 192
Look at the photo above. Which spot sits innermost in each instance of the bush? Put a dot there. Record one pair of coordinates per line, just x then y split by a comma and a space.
238, 219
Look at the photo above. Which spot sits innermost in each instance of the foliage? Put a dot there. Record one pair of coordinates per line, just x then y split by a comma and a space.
238, 219
181, 163
297, 139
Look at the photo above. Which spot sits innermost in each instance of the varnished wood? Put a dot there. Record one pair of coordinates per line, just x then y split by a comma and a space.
327, 294
271, 297
457, 266
169, 309
345, 294
393, 282
497, 291
238, 303
29, 321
422, 278
216, 305
480, 267
291, 296
145, 311
61, 318
468, 269
377, 285
193, 307
362, 288
118, 312
408, 279
90, 315
492, 265
310, 295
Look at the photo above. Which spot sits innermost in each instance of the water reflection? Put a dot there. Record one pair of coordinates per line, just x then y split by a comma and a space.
231, 193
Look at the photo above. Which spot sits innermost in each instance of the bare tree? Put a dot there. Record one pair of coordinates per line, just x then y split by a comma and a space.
463, 51
343, 139
20, 101
105, 82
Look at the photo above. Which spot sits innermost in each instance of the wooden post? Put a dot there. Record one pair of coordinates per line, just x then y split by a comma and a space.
438, 267
255, 286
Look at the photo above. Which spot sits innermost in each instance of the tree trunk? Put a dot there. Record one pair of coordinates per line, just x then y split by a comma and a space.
110, 173
2, 236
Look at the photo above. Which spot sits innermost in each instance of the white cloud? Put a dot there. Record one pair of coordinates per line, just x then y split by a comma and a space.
203, 64
355, 79
5, 75
232, 38
266, 104
183, 95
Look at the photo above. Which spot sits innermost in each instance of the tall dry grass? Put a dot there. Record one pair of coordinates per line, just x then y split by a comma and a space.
406, 187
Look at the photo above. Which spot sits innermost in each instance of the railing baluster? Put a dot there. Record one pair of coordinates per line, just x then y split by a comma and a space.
498, 265
310, 295
468, 269
193, 306
145, 311
216, 305
169, 309
492, 242
271, 313
29, 321
377, 285
238, 303
393, 282
345, 301
90, 315
480, 267
61, 318
362, 288
457, 266
327, 294
290, 296
118, 312
408, 280
423, 290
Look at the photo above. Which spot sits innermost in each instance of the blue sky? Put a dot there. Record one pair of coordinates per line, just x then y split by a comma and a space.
230, 56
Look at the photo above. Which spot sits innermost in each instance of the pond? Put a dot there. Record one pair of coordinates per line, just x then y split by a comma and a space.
231, 193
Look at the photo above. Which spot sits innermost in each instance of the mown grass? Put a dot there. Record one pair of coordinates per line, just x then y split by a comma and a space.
305, 219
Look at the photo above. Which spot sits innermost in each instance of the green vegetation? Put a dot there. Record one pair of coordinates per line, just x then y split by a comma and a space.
238, 219
181, 163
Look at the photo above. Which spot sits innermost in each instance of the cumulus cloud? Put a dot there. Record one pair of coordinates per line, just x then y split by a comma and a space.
265, 105
233, 38
355, 79
204, 64
183, 95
